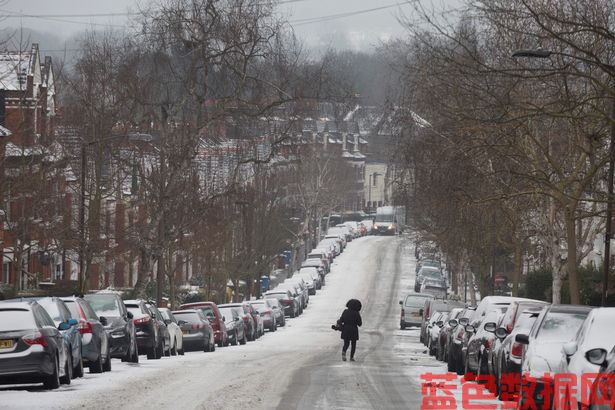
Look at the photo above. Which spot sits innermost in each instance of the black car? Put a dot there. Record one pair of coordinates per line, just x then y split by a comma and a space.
32, 349
149, 336
163, 331
95, 346
235, 327
120, 327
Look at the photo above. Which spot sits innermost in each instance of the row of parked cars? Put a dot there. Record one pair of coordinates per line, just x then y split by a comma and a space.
51, 340
523, 345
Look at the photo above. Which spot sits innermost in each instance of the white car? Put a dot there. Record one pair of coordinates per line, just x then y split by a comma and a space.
369, 225
315, 274
176, 337
588, 350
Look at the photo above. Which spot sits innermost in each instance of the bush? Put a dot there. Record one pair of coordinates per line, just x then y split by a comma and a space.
6, 291
537, 284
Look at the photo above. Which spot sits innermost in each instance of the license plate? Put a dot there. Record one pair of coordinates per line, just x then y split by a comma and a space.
186, 332
6, 344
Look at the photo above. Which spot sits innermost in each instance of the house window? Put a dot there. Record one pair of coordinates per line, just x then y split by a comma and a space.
6, 271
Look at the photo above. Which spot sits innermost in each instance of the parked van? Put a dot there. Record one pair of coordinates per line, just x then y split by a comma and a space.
411, 309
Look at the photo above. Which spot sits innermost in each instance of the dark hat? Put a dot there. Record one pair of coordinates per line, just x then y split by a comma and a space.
354, 304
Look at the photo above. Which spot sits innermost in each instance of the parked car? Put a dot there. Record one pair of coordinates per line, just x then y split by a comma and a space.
322, 256
369, 226
297, 294
556, 325
482, 340
412, 309
445, 333
149, 337
602, 393
437, 288
302, 288
455, 355
59, 313
119, 327
266, 313
318, 276
32, 349
433, 330
210, 309
95, 345
432, 305
286, 300
246, 317
427, 272
320, 267
309, 276
235, 326
175, 332
162, 327
508, 352
278, 311
196, 330
256, 319
586, 352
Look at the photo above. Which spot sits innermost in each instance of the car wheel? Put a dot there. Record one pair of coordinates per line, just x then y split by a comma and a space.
52, 381
212, 347
160, 350
107, 364
402, 326
135, 354
78, 370
467, 372
450, 364
206, 347
181, 351
221, 343
97, 367
68, 371
292, 313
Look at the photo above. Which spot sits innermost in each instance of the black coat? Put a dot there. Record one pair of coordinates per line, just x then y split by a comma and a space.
350, 322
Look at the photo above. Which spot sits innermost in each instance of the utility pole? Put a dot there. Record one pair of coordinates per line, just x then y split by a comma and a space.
609, 212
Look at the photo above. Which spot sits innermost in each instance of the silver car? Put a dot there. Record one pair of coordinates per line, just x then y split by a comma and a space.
176, 336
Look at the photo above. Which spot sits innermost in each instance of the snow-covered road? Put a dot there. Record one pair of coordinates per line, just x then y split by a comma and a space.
298, 366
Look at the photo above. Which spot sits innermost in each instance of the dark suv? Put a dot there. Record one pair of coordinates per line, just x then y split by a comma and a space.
120, 327
149, 338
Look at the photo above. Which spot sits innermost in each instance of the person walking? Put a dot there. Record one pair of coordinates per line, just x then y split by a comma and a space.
349, 324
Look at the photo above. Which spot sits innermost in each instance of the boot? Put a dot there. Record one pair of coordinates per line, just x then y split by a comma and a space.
344, 356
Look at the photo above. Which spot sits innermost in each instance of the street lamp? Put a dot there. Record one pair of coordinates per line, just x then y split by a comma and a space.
609, 207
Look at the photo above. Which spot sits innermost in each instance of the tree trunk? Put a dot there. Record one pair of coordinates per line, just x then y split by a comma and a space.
571, 265
142, 274
517, 267
556, 287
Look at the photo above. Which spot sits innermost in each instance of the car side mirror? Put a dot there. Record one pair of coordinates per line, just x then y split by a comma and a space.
490, 327
464, 321
129, 315
421, 312
103, 320
501, 333
181, 322
223, 319
211, 319
439, 323
570, 348
64, 326
452, 323
597, 357
236, 319
470, 329
401, 303
523, 339
73, 322
167, 321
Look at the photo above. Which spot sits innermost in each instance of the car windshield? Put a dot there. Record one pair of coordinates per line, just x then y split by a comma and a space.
134, 309
227, 312
73, 308
560, 326
52, 309
525, 321
384, 218
165, 314
16, 319
431, 273
190, 317
416, 301
104, 305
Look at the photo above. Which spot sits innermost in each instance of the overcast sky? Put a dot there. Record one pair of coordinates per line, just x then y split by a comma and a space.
361, 31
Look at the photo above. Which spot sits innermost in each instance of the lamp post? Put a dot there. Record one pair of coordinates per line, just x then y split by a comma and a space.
609, 206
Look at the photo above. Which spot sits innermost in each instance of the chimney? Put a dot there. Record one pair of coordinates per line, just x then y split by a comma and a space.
356, 143
344, 135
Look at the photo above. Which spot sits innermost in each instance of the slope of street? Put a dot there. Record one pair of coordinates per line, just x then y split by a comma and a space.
298, 366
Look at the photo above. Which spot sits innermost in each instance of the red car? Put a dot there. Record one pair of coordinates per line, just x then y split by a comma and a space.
211, 311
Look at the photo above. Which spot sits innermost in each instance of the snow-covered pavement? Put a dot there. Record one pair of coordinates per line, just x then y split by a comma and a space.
298, 366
